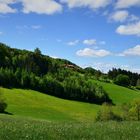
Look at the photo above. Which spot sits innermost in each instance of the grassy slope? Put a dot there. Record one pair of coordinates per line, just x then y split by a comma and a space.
34, 104
119, 94
37, 105
39, 116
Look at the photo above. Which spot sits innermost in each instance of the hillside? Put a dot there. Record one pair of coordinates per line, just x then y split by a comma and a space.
119, 94
28, 103
38, 116
34, 104
33, 70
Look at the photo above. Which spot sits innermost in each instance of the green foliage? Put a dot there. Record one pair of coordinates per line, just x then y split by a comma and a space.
37, 51
131, 111
29, 129
57, 77
122, 80
112, 74
3, 104
106, 114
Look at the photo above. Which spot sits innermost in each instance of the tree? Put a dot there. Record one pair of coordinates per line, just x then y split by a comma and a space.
122, 80
37, 51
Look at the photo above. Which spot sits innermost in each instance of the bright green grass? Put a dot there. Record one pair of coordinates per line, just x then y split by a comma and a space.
119, 94
25, 129
33, 104
37, 116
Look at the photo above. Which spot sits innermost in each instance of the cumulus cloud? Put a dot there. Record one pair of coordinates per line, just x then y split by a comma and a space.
89, 42
41, 6
5, 6
135, 51
87, 52
130, 29
92, 4
73, 43
119, 16
127, 3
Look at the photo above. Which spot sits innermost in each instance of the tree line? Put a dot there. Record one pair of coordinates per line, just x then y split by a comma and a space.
124, 77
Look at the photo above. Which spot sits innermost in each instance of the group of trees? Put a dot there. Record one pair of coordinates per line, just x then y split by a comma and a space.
61, 78
124, 77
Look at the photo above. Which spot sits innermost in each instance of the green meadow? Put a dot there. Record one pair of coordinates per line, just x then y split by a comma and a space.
38, 116
12, 128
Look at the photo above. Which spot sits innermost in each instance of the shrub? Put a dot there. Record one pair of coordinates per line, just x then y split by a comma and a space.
122, 80
3, 104
131, 111
106, 114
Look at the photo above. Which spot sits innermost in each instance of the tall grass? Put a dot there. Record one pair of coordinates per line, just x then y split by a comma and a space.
26, 129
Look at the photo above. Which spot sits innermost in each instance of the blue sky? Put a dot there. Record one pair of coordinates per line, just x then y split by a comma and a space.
101, 34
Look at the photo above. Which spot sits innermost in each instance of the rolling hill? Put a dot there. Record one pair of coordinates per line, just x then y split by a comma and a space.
34, 104
38, 116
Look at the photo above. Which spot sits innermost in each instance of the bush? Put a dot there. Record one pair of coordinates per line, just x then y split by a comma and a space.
3, 104
122, 80
131, 111
106, 114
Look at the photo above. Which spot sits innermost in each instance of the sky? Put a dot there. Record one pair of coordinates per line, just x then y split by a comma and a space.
98, 33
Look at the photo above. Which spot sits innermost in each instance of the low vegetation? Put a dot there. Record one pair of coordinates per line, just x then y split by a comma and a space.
106, 113
27, 129
3, 104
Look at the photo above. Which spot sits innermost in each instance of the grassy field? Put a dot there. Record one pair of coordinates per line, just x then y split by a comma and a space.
119, 94
37, 116
25, 129
37, 105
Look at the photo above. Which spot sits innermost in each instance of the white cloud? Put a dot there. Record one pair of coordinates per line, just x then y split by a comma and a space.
105, 67
5, 6
89, 42
135, 51
73, 43
93, 4
123, 16
87, 52
127, 3
119, 16
1, 33
133, 18
130, 29
36, 27
41, 6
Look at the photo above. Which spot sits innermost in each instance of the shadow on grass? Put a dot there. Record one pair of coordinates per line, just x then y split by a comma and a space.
7, 113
